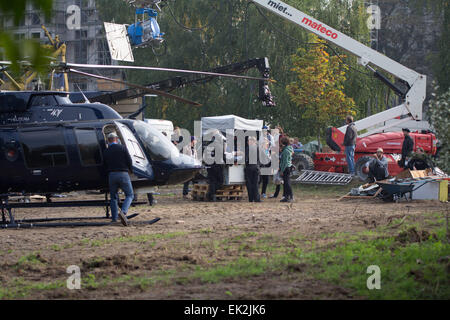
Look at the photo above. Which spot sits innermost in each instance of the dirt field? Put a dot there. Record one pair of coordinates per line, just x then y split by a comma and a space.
161, 261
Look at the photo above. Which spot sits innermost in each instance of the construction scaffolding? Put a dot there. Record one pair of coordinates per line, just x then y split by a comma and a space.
85, 41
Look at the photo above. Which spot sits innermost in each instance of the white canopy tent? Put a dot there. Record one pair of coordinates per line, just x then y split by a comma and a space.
222, 123
233, 174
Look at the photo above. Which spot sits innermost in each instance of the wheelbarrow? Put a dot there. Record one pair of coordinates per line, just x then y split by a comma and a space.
395, 191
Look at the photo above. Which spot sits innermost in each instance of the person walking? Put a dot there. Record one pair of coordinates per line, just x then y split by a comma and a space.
118, 163
350, 142
285, 169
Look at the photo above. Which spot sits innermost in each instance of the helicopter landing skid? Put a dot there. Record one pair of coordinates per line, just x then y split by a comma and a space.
13, 223
19, 225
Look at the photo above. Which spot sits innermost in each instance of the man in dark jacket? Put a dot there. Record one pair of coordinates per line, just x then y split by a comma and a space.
350, 142
420, 160
407, 147
118, 162
252, 170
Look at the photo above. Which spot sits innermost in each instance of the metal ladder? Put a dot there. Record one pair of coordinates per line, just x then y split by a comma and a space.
323, 177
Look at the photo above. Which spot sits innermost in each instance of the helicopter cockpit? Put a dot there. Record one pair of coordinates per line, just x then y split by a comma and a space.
152, 152
158, 146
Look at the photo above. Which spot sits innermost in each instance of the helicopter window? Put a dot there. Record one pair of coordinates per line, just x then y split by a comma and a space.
88, 146
12, 103
43, 100
155, 143
61, 100
137, 149
44, 148
132, 145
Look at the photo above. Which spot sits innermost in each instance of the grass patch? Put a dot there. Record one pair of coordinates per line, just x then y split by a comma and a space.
143, 238
413, 259
19, 288
244, 236
29, 260
411, 267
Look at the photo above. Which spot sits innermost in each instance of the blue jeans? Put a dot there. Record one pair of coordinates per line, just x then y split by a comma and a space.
350, 156
120, 180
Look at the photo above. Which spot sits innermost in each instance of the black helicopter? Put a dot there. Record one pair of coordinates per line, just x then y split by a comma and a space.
53, 146
50, 145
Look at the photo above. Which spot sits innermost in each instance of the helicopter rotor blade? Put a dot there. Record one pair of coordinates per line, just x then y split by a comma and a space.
153, 91
98, 66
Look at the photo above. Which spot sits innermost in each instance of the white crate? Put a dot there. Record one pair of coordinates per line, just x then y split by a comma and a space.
234, 174
429, 191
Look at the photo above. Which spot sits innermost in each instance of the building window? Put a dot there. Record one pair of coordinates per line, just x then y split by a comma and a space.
44, 148
36, 35
80, 34
35, 19
88, 146
80, 50
19, 36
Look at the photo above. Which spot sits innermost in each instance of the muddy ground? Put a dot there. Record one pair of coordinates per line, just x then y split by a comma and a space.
122, 261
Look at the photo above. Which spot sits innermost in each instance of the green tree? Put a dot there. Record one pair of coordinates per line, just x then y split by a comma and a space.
204, 34
440, 119
318, 89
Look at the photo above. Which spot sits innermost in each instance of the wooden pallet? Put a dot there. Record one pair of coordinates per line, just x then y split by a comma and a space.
200, 187
233, 192
199, 195
199, 192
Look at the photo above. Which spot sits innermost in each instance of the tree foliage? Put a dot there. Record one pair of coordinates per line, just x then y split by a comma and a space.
442, 61
204, 34
440, 119
319, 88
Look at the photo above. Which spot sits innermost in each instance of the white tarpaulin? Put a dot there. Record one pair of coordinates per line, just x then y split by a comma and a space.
223, 123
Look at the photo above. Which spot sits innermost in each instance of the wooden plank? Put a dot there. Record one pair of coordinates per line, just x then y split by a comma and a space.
348, 196
344, 196
377, 193
358, 197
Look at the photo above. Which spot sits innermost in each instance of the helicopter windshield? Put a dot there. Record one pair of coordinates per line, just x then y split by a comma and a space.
155, 143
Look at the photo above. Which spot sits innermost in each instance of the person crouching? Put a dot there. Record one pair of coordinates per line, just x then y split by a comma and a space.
378, 167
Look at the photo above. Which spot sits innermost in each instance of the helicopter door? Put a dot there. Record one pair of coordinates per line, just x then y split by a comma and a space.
140, 161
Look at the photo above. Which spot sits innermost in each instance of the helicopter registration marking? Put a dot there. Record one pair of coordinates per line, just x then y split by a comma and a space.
18, 119
55, 112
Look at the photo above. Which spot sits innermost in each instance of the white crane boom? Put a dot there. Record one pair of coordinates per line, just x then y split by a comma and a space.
416, 83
